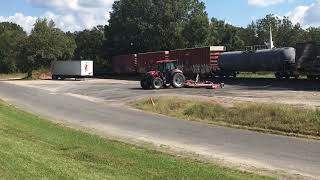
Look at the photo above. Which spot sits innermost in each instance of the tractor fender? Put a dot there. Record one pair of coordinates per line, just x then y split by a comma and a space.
176, 71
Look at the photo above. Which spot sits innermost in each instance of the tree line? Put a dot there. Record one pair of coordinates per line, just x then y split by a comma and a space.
139, 26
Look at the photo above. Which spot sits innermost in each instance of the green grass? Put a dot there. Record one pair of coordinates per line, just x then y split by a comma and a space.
256, 75
276, 118
261, 76
42, 73
33, 148
12, 76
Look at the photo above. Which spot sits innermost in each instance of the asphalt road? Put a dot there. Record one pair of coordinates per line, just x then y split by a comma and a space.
272, 152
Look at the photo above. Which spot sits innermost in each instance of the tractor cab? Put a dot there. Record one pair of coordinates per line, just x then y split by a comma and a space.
166, 65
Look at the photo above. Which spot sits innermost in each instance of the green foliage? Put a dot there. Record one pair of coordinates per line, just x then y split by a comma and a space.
91, 46
89, 43
196, 29
44, 45
32, 148
8, 26
224, 34
10, 37
285, 33
313, 34
147, 25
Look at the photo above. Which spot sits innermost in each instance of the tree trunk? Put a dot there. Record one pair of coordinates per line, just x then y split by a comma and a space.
29, 76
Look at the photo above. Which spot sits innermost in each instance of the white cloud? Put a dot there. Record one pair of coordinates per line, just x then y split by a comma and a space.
69, 15
265, 3
65, 22
26, 22
306, 15
297, 15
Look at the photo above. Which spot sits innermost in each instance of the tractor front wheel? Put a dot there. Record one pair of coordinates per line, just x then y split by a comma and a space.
157, 83
178, 80
145, 84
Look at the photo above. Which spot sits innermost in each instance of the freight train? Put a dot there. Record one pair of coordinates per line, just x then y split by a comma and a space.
214, 61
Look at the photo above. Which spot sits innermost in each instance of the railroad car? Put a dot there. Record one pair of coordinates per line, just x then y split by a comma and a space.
148, 61
203, 60
287, 62
278, 60
308, 59
125, 64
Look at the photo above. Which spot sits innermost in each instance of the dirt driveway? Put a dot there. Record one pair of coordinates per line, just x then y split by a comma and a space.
295, 92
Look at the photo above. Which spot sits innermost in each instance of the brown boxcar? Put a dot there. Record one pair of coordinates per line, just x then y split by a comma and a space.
198, 60
125, 64
147, 61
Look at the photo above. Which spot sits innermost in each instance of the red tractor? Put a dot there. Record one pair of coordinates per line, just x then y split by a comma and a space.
166, 75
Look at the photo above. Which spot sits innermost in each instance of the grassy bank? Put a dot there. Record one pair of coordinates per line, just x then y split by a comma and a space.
32, 148
36, 75
12, 76
262, 117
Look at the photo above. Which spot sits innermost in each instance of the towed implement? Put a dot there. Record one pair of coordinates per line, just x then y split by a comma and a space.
204, 85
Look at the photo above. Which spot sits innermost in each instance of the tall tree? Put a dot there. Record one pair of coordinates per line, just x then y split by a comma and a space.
90, 45
285, 33
224, 34
149, 25
263, 28
249, 35
288, 34
197, 28
313, 34
10, 36
45, 44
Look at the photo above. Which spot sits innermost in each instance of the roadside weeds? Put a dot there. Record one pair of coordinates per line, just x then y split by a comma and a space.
262, 117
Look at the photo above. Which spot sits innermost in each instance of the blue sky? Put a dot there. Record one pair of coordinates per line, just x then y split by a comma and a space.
240, 13
11, 7
72, 15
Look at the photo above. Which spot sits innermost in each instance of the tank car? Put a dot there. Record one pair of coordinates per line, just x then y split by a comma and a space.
279, 60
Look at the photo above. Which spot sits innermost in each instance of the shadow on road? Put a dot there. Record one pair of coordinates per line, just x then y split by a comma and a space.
120, 77
273, 84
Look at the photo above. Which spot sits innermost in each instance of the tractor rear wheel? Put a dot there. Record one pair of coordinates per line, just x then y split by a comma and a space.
157, 83
145, 84
178, 80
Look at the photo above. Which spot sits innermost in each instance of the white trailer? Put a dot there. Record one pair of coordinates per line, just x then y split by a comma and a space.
71, 69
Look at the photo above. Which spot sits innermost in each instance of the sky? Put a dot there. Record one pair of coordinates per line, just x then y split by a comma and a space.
76, 15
